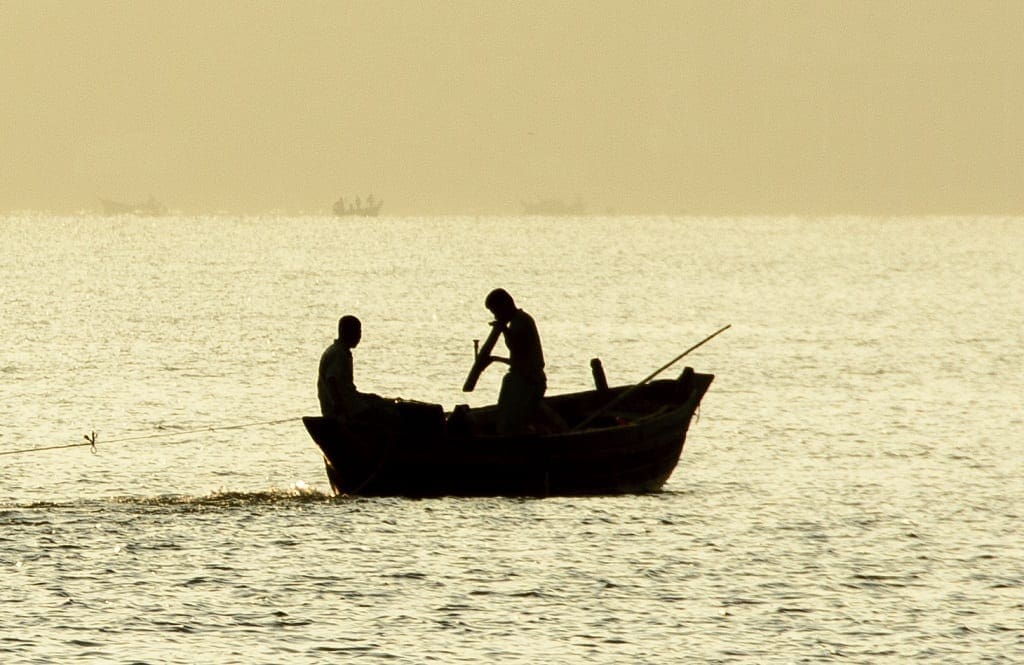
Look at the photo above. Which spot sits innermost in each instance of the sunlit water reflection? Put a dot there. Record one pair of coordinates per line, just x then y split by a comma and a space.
851, 491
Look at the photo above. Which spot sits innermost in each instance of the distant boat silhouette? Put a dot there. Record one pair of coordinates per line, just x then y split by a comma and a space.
149, 208
554, 207
358, 209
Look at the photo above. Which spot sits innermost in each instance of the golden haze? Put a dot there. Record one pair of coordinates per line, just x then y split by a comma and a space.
452, 107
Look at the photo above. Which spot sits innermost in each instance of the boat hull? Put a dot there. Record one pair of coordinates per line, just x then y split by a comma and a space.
420, 451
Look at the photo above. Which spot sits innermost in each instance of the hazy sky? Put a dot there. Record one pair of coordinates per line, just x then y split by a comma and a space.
473, 107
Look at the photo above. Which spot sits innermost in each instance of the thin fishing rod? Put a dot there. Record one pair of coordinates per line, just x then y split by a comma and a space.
624, 395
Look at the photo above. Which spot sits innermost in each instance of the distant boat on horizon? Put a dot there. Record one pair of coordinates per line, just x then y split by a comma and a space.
371, 208
554, 207
149, 208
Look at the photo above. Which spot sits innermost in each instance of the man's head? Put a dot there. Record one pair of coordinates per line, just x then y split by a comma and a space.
350, 331
501, 305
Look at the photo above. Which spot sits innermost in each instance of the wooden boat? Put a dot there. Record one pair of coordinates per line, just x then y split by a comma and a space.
148, 208
554, 207
358, 209
620, 440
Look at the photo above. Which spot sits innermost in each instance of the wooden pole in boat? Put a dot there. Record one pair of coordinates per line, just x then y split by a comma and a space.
482, 356
630, 391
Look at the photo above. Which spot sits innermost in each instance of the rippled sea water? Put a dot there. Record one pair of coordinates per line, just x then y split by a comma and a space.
851, 492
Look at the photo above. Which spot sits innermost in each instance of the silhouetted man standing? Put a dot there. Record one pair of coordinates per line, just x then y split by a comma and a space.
523, 386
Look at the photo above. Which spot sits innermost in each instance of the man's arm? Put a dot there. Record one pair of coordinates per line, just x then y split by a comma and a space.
483, 357
335, 391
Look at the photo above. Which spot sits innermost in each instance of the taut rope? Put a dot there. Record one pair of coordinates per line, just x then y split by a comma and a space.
91, 438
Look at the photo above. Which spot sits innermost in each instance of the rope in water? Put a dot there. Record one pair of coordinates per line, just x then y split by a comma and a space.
91, 439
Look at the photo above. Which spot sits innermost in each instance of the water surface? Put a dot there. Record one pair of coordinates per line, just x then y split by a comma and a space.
851, 491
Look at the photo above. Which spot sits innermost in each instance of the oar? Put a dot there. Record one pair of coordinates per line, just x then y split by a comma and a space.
482, 357
624, 395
